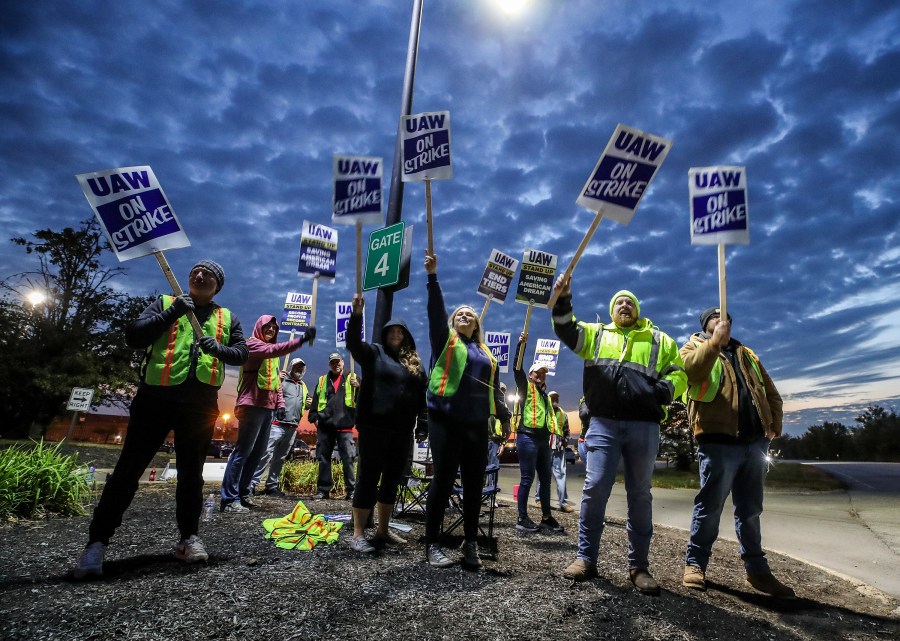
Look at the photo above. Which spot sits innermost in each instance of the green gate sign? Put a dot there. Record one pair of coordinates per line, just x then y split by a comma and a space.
383, 258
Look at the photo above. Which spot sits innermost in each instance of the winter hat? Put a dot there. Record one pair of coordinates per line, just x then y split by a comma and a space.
215, 268
624, 292
709, 313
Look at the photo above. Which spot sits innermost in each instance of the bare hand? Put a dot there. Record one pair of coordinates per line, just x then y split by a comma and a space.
430, 263
354, 382
358, 303
523, 337
721, 334
563, 285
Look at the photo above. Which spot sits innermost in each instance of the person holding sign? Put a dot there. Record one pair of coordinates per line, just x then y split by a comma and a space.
259, 398
463, 399
558, 457
179, 391
537, 421
632, 371
391, 399
735, 412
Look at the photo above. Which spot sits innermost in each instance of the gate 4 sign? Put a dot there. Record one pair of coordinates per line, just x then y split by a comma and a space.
133, 211
80, 399
718, 205
383, 258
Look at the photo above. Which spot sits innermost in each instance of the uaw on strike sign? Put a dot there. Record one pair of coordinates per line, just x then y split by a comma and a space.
718, 205
133, 211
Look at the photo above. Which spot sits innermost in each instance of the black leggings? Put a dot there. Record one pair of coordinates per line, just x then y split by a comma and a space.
148, 426
456, 446
383, 454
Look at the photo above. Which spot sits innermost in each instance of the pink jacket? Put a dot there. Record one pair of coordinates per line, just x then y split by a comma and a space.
249, 393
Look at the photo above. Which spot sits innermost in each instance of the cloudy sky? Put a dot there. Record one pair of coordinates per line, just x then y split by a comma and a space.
238, 106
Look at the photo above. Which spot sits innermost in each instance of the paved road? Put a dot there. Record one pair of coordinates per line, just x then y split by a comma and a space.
855, 533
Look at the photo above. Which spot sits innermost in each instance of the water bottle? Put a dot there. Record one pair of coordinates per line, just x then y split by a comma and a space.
90, 476
209, 508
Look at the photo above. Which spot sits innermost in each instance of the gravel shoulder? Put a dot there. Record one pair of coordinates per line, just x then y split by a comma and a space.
251, 589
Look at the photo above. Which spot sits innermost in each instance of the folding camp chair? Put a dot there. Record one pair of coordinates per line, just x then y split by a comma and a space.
413, 490
453, 518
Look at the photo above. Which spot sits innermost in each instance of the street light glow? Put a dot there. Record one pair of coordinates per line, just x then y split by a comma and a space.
511, 7
36, 298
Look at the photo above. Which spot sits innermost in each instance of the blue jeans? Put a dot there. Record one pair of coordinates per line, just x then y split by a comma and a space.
325, 442
582, 452
493, 449
534, 456
281, 440
253, 437
607, 441
558, 465
739, 469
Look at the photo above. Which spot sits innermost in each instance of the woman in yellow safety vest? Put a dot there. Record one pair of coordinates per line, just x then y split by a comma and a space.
259, 399
464, 398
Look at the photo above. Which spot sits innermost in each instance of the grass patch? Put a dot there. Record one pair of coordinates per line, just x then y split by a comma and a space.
100, 456
782, 475
301, 477
39, 479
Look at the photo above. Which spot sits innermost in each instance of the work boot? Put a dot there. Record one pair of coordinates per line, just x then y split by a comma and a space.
580, 570
320, 496
694, 578
470, 555
191, 550
765, 582
275, 492
565, 507
436, 556
91, 561
643, 581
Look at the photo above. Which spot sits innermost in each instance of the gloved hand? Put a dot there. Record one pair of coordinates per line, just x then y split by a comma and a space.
280, 413
210, 346
182, 305
309, 336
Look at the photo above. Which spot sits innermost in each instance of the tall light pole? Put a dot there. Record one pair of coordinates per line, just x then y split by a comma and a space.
384, 302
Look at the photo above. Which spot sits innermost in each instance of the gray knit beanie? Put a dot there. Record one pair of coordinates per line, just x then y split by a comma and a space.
215, 268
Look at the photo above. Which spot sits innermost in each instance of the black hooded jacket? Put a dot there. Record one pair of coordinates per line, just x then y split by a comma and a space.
390, 396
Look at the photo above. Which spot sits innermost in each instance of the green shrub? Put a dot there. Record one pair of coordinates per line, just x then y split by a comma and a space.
36, 479
300, 477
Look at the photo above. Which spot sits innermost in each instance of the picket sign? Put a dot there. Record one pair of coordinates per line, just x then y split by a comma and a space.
312, 312
524, 331
428, 219
487, 303
723, 304
176, 289
571, 268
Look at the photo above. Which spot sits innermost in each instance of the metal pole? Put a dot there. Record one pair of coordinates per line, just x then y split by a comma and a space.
384, 301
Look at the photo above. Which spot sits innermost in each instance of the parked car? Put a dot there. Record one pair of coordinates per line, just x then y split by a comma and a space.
570, 455
167, 446
220, 448
300, 451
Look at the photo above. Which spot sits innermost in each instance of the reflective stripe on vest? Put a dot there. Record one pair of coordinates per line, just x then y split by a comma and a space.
706, 391
348, 392
536, 415
266, 376
449, 366
168, 359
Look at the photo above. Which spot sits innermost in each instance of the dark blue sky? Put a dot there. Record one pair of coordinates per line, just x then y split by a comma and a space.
239, 107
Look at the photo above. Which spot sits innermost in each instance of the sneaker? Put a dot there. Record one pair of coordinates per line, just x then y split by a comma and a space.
643, 581
694, 578
565, 507
765, 582
527, 525
191, 550
237, 507
389, 538
275, 492
436, 556
359, 544
91, 561
470, 555
247, 503
320, 496
580, 570
551, 525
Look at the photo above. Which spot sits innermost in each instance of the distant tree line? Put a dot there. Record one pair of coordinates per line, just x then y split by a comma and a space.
73, 337
876, 437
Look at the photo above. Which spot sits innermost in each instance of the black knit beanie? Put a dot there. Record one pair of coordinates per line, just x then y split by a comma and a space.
707, 313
